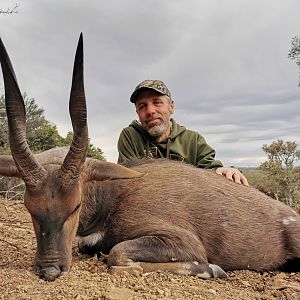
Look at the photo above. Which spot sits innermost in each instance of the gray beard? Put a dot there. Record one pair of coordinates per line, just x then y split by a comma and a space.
158, 130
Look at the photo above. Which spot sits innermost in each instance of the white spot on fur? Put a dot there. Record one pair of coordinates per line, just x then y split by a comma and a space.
204, 275
183, 272
195, 263
91, 239
288, 220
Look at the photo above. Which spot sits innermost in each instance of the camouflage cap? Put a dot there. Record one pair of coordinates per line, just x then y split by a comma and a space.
156, 85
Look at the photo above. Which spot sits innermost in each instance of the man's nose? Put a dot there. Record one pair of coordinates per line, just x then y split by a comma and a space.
150, 109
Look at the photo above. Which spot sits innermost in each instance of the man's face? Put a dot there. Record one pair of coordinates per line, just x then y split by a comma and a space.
154, 111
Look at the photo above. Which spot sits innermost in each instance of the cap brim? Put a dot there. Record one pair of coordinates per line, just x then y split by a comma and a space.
135, 94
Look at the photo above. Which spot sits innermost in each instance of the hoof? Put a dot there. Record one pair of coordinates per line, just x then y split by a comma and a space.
218, 271
49, 274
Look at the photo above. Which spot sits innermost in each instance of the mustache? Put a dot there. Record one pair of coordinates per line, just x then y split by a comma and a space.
151, 118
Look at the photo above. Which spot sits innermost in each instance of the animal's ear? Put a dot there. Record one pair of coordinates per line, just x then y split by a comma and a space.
8, 167
102, 170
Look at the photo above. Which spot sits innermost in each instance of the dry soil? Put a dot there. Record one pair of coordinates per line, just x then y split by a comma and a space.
89, 279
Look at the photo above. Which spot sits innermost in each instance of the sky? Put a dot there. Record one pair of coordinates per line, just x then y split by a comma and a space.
225, 62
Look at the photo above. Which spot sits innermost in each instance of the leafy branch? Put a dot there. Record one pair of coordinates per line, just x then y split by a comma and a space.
294, 53
9, 10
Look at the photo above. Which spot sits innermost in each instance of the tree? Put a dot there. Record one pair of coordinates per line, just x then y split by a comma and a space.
44, 137
283, 178
3, 125
9, 10
294, 53
4, 146
35, 122
93, 151
41, 134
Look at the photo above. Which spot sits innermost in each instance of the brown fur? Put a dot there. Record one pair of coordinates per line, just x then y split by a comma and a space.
202, 216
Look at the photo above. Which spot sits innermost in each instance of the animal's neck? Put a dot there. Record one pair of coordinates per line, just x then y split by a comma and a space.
98, 200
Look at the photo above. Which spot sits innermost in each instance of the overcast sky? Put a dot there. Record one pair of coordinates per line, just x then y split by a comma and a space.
225, 62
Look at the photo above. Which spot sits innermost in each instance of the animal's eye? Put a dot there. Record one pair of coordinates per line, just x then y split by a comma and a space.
75, 210
77, 207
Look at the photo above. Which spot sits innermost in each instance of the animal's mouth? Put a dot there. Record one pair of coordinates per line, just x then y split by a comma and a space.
49, 268
50, 273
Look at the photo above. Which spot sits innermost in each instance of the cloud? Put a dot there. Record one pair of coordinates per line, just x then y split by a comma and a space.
225, 63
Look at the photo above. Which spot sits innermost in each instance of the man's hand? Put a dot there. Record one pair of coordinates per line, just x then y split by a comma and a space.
233, 174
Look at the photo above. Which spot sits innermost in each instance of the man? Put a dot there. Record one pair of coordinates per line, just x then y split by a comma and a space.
157, 135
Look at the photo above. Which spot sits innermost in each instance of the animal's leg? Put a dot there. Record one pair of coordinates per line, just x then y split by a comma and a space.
151, 253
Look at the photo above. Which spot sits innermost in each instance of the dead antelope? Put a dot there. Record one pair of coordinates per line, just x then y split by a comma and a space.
153, 215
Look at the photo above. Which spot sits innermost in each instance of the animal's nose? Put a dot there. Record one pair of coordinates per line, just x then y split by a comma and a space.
50, 274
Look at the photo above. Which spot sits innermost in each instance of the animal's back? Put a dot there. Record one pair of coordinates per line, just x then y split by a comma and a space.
231, 220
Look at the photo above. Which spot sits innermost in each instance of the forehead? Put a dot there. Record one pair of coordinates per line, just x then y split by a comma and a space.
148, 94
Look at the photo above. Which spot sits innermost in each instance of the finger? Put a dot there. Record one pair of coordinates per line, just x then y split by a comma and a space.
237, 177
219, 171
229, 174
244, 180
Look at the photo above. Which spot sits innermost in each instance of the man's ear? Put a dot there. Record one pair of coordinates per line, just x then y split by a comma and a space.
102, 170
172, 106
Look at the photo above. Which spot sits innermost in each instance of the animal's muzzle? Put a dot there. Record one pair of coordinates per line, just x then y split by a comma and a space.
49, 273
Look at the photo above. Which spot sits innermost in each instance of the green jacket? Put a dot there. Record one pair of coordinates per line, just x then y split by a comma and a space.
183, 144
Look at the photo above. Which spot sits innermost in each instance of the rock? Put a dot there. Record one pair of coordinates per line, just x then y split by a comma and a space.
115, 293
280, 284
135, 270
212, 291
245, 283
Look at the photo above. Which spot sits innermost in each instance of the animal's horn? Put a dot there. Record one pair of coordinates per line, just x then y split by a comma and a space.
70, 170
31, 172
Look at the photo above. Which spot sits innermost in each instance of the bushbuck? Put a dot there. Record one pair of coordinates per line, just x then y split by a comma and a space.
151, 215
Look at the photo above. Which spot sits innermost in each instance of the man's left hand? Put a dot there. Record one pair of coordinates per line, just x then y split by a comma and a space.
233, 174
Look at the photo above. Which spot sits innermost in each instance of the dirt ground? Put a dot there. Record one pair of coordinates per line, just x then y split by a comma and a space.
89, 279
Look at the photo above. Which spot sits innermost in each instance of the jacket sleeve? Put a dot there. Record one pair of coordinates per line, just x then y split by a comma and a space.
206, 155
126, 147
